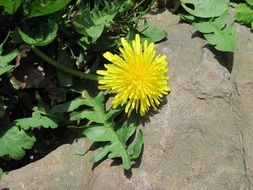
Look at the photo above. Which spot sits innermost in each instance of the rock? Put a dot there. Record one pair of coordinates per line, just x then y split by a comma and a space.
211, 79
243, 102
200, 139
64, 168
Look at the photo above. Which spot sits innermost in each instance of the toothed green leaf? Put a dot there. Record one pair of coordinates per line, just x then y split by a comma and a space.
104, 129
37, 120
125, 132
99, 134
115, 148
96, 114
134, 149
14, 141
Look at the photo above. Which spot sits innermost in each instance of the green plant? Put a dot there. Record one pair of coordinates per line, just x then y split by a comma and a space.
210, 18
244, 13
5, 60
1, 173
218, 33
104, 128
49, 54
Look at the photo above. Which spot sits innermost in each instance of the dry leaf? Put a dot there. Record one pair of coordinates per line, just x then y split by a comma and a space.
29, 73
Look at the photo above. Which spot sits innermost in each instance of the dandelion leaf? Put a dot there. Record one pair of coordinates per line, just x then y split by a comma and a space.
217, 33
92, 23
37, 120
244, 14
103, 129
117, 143
115, 148
125, 132
96, 113
112, 113
41, 8
43, 37
14, 141
69, 106
152, 33
205, 9
134, 149
6, 59
1, 173
98, 134
10, 6
250, 2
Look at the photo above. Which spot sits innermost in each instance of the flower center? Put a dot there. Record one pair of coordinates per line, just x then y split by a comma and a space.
138, 77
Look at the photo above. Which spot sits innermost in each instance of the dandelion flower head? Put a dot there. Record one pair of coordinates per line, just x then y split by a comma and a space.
138, 77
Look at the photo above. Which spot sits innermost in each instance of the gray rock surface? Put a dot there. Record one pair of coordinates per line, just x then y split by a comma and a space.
64, 168
201, 139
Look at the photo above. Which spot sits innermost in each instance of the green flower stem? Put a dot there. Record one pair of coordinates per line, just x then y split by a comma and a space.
63, 67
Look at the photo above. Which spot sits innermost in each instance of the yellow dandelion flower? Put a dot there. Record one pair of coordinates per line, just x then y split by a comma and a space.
138, 77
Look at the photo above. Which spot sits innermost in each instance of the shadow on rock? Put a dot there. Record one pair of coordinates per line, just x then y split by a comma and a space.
144, 120
137, 163
226, 59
